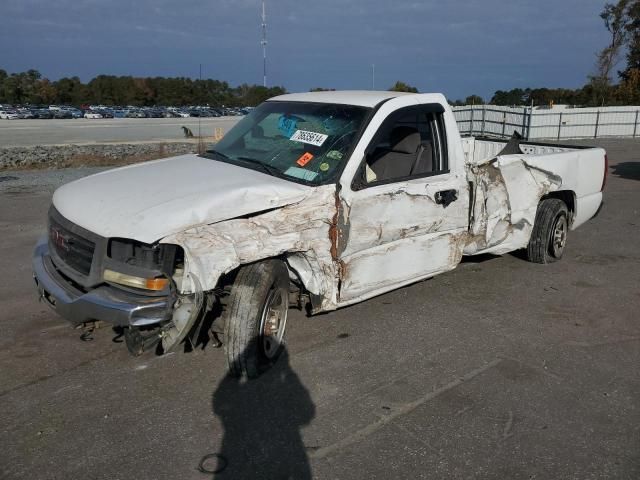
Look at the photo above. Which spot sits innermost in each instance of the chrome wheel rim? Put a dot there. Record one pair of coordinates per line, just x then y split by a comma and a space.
559, 236
274, 321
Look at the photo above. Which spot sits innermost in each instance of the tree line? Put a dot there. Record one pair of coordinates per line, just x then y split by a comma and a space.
32, 88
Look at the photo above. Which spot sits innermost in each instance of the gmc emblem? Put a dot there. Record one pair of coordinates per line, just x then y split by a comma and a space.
58, 239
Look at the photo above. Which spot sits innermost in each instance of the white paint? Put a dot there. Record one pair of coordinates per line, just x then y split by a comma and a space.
151, 200
402, 261
398, 233
300, 231
361, 98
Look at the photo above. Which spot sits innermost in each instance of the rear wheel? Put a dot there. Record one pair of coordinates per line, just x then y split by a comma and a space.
550, 230
256, 317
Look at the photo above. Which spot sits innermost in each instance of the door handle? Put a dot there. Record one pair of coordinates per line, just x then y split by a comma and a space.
446, 197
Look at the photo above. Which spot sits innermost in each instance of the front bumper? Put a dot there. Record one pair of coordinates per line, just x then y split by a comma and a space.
105, 303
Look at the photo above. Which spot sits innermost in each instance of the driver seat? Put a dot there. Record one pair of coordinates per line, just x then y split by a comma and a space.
398, 161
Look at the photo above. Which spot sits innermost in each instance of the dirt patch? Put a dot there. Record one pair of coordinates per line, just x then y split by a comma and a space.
92, 155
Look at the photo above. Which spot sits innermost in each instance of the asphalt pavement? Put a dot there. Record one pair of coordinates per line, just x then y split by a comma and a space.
24, 133
500, 369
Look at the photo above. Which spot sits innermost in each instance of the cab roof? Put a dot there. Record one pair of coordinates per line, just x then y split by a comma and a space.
362, 98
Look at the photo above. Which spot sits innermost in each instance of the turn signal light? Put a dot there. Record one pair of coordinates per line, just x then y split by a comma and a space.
155, 284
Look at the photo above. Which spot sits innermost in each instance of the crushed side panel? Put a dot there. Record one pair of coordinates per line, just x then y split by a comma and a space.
506, 195
301, 230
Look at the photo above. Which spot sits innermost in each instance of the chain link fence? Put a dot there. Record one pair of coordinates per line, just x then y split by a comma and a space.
541, 123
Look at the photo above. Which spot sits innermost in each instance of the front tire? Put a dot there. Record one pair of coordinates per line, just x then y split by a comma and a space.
256, 317
549, 234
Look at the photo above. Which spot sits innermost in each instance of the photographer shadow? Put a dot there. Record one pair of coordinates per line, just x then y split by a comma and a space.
262, 419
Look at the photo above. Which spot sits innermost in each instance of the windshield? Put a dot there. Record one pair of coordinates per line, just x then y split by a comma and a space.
304, 142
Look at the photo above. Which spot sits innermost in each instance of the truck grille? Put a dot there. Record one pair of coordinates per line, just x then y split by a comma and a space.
72, 249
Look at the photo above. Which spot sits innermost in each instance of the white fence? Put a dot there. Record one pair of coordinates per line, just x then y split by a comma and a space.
557, 123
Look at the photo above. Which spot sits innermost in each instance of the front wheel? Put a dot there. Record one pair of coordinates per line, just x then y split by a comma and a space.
549, 234
256, 317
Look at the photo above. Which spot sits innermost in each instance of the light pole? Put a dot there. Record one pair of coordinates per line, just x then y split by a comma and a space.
264, 44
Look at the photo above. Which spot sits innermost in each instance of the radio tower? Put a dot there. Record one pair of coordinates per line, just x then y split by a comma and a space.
264, 44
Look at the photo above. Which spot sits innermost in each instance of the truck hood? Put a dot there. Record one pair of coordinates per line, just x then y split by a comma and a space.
151, 200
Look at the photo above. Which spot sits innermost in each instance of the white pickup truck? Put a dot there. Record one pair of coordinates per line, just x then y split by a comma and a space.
318, 200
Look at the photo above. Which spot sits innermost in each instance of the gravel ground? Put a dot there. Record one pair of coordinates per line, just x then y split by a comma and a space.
43, 181
69, 156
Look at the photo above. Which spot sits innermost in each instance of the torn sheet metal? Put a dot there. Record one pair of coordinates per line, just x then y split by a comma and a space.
506, 194
401, 262
298, 232
399, 233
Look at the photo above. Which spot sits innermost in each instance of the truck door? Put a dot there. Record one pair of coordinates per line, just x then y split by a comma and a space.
405, 216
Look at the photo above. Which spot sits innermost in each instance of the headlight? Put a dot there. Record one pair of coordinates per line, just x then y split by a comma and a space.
139, 265
155, 284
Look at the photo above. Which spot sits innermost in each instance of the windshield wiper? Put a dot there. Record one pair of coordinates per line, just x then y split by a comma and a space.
266, 168
218, 154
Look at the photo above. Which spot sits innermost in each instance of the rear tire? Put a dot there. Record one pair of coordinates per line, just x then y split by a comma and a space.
256, 317
549, 234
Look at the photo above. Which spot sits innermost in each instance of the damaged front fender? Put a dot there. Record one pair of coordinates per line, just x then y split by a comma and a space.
299, 233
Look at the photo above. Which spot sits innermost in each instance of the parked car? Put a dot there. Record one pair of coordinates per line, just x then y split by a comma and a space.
154, 113
43, 113
75, 113
61, 114
320, 199
91, 114
25, 114
136, 114
9, 115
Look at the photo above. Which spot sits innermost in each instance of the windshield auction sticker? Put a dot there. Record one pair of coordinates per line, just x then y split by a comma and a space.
304, 159
312, 138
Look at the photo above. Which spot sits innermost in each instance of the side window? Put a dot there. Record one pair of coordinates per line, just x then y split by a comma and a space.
410, 143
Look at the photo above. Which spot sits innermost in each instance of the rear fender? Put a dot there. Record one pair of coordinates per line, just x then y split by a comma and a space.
505, 197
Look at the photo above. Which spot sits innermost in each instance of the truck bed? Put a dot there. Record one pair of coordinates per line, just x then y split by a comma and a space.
581, 170
478, 150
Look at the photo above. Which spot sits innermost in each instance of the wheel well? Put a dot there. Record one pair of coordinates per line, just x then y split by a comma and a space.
568, 197
302, 277
227, 279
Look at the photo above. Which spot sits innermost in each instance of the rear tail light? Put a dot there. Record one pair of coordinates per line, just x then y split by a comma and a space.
606, 172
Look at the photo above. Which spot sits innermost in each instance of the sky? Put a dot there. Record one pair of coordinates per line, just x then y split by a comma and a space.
457, 47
